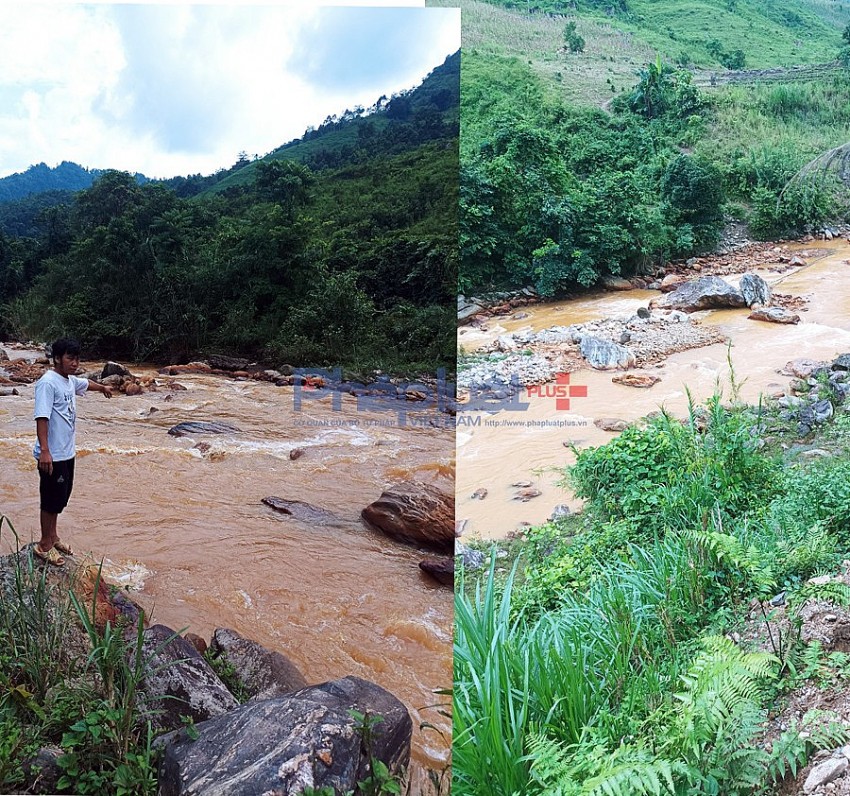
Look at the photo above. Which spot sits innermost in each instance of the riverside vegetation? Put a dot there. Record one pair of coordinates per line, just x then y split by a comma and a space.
607, 659
339, 248
609, 159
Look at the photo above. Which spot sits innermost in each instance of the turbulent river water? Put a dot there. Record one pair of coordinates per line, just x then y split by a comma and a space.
188, 531
511, 447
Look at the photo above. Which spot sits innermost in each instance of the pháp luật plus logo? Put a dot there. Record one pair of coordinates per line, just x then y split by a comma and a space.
562, 391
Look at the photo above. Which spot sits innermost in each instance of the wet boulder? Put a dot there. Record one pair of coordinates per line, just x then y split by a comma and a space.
285, 745
300, 510
611, 424
755, 290
199, 427
705, 293
178, 682
616, 283
113, 369
440, 569
419, 514
263, 674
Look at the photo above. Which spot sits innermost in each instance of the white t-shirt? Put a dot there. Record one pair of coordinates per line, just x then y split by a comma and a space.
56, 399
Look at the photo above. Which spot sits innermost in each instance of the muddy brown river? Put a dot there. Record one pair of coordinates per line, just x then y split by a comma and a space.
188, 532
512, 447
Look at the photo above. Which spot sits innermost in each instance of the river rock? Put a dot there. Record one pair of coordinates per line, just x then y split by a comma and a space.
823, 410
616, 283
527, 494
561, 510
796, 260
841, 362
705, 293
416, 513
264, 674
198, 427
441, 569
479, 494
285, 745
300, 510
643, 380
44, 770
773, 315
296, 453
113, 369
603, 354
7, 391
671, 282
472, 559
825, 772
754, 290
178, 682
611, 424
220, 362
801, 368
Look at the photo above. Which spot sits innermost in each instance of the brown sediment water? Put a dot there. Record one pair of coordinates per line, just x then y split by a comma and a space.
510, 447
188, 529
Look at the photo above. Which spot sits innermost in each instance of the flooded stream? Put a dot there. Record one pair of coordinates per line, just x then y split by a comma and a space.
188, 530
512, 447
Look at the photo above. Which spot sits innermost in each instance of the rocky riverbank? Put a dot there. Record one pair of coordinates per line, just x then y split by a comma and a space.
230, 717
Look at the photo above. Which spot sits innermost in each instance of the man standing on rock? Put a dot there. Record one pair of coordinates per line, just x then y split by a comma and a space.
55, 417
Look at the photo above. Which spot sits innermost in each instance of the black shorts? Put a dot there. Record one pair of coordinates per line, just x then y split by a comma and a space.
55, 489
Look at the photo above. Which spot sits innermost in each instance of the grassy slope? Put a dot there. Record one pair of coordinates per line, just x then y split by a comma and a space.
617, 47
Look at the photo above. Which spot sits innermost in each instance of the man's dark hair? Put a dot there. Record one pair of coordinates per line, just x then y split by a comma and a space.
64, 345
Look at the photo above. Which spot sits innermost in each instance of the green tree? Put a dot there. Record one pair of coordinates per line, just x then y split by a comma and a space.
572, 39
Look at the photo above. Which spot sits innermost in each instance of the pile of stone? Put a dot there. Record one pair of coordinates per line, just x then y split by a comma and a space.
816, 390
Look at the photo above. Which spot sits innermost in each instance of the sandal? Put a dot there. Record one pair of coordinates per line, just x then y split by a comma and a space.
63, 548
51, 556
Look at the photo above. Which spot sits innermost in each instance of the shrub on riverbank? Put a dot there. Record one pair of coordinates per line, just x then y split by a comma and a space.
601, 665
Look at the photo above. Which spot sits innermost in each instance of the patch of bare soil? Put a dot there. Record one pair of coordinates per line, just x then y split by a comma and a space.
820, 700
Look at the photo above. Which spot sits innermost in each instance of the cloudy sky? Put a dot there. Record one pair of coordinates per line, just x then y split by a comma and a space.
181, 89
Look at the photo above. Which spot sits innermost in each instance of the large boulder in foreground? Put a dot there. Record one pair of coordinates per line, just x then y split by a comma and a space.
178, 682
263, 674
705, 293
416, 513
284, 745
774, 315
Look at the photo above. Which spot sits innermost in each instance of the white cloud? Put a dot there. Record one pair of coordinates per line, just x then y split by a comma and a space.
166, 89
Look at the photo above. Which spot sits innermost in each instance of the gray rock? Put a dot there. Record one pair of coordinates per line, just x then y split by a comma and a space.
707, 292
560, 510
43, 770
603, 354
263, 674
306, 512
755, 290
643, 313
113, 369
472, 559
774, 315
285, 745
611, 424
198, 427
841, 362
823, 410
825, 772
178, 682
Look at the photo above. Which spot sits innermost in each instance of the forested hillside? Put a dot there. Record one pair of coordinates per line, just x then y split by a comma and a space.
340, 248
594, 142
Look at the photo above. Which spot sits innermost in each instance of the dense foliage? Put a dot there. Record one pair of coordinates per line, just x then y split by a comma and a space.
560, 194
352, 264
604, 663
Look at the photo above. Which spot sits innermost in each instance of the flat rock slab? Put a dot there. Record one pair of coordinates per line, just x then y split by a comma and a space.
302, 511
263, 673
774, 315
198, 427
284, 745
416, 513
